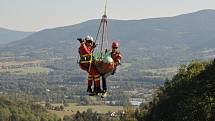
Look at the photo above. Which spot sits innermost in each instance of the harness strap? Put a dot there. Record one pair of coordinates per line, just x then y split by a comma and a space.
85, 58
91, 59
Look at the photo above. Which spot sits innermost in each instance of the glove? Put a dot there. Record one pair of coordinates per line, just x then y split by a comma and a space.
94, 45
113, 72
119, 62
80, 40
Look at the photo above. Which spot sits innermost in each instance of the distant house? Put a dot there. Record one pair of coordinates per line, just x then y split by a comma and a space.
113, 114
136, 101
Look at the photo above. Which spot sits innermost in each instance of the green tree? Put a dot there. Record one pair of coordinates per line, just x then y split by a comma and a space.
4, 114
189, 96
67, 118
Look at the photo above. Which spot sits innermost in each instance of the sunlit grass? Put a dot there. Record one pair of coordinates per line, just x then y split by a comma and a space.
73, 108
27, 70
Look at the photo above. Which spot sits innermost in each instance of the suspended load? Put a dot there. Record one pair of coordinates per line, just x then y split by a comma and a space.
102, 56
104, 62
99, 57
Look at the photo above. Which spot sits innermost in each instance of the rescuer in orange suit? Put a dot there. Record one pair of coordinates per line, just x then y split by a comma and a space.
86, 63
116, 56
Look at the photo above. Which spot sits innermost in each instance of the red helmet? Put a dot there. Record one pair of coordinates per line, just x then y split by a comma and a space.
115, 45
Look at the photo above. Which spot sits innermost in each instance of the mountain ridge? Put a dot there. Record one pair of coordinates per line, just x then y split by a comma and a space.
8, 35
95, 22
166, 41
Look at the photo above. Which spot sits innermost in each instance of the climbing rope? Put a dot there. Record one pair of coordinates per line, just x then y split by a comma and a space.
102, 34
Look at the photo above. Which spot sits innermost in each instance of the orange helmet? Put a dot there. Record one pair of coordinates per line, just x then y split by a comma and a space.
115, 45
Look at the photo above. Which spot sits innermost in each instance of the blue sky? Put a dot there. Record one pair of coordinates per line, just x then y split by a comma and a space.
35, 15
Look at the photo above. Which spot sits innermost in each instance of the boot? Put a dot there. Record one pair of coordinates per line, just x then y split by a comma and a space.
98, 90
104, 94
114, 71
89, 89
104, 91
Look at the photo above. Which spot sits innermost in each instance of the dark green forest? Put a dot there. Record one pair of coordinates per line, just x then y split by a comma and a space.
188, 96
22, 111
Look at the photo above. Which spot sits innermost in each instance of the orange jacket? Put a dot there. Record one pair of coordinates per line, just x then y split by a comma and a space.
84, 50
116, 56
85, 54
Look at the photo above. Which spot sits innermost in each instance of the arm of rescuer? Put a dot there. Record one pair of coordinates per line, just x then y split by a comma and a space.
117, 58
83, 48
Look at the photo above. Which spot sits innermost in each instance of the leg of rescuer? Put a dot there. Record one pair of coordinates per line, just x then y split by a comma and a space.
97, 83
104, 84
96, 78
90, 83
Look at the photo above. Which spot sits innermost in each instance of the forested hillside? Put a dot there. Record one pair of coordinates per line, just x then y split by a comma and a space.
22, 111
189, 96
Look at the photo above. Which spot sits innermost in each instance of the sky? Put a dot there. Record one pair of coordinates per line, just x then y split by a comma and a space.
35, 15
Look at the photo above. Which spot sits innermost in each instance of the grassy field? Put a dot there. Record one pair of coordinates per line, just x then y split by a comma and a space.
9, 63
26, 70
73, 108
11, 66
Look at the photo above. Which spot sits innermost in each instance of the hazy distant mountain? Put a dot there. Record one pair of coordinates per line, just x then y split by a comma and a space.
7, 36
152, 42
192, 30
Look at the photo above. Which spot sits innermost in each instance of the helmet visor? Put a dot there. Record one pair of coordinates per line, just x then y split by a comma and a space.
88, 41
